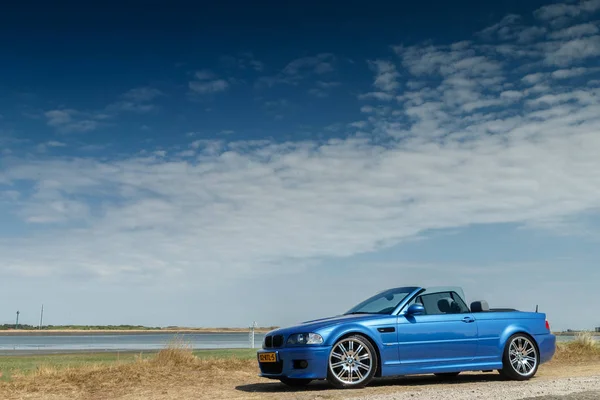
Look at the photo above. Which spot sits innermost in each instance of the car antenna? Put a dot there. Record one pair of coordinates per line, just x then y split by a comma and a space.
536, 308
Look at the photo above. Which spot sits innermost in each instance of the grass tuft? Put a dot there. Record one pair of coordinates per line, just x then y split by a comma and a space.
584, 348
178, 353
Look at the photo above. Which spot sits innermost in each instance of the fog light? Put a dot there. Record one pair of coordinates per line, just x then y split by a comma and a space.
300, 364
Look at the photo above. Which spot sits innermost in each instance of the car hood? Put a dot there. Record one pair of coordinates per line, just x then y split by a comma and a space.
317, 324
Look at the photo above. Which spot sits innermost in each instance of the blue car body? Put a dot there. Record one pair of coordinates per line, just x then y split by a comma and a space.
409, 344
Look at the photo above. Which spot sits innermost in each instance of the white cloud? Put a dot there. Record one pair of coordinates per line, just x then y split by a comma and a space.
218, 85
569, 73
511, 94
136, 100
244, 207
530, 34
244, 61
576, 31
9, 195
54, 143
382, 96
562, 12
532, 79
327, 85
207, 83
43, 147
469, 62
503, 30
59, 117
70, 121
386, 75
142, 94
358, 124
204, 75
299, 69
319, 64
323, 88
575, 50
584, 97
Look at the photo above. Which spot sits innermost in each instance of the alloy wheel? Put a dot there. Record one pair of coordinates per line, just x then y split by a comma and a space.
352, 361
522, 355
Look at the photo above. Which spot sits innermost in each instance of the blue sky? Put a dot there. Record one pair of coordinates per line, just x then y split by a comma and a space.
210, 166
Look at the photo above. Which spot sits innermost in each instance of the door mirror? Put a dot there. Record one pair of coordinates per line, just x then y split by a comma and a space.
415, 309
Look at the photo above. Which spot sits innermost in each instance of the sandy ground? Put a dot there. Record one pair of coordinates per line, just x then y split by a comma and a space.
243, 383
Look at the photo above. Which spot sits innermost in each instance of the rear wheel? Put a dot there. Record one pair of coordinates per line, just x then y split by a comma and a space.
292, 382
520, 359
352, 363
447, 375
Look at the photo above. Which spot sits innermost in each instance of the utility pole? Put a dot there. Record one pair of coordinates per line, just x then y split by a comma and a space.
42, 317
17, 324
252, 328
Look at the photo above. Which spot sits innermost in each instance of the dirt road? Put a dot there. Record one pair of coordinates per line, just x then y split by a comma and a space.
476, 389
553, 382
240, 382
575, 396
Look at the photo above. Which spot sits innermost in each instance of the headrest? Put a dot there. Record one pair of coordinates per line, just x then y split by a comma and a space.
480, 306
445, 305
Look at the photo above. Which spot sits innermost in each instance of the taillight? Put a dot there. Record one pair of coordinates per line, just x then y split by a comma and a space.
547, 325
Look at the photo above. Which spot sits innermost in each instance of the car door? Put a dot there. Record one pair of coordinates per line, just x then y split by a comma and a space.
439, 337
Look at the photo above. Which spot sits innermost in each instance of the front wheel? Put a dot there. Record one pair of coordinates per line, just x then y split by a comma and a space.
520, 359
292, 382
352, 363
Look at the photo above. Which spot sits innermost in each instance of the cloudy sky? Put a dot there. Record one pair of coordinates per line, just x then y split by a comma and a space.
206, 166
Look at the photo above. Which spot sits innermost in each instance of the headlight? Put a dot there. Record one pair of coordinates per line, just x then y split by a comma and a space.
305, 338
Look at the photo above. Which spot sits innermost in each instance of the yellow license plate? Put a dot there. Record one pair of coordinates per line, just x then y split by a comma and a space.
267, 357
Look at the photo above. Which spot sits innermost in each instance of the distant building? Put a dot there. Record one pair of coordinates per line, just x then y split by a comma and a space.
598, 329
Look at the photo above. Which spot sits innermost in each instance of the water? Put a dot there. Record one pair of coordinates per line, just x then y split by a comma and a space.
564, 338
116, 342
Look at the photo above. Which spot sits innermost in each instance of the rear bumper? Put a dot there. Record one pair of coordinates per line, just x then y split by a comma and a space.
289, 363
547, 346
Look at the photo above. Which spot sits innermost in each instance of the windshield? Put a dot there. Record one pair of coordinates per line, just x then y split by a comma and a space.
382, 303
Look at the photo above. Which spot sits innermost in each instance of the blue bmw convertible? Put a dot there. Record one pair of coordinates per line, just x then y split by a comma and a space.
405, 331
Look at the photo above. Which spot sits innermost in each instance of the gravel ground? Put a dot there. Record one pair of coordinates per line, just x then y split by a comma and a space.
587, 388
595, 395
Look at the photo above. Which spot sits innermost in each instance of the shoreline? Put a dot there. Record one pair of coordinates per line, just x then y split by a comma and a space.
66, 332
108, 352
166, 331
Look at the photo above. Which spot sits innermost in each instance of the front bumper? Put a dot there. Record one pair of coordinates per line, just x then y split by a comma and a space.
547, 345
289, 362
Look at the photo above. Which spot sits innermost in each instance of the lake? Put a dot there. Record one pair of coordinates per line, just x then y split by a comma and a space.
21, 344
115, 342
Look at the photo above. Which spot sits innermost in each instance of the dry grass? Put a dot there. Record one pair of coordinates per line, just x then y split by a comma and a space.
584, 348
168, 368
176, 373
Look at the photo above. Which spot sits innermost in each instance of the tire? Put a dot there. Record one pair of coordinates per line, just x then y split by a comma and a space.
292, 382
519, 354
352, 363
447, 375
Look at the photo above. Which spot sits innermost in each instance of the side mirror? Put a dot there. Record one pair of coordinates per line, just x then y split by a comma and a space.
415, 309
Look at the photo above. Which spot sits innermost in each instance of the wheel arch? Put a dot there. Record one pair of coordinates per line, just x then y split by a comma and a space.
514, 330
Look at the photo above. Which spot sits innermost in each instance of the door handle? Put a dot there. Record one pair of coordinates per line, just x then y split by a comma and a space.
468, 319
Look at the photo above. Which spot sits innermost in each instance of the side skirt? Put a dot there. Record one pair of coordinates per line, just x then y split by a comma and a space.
399, 369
